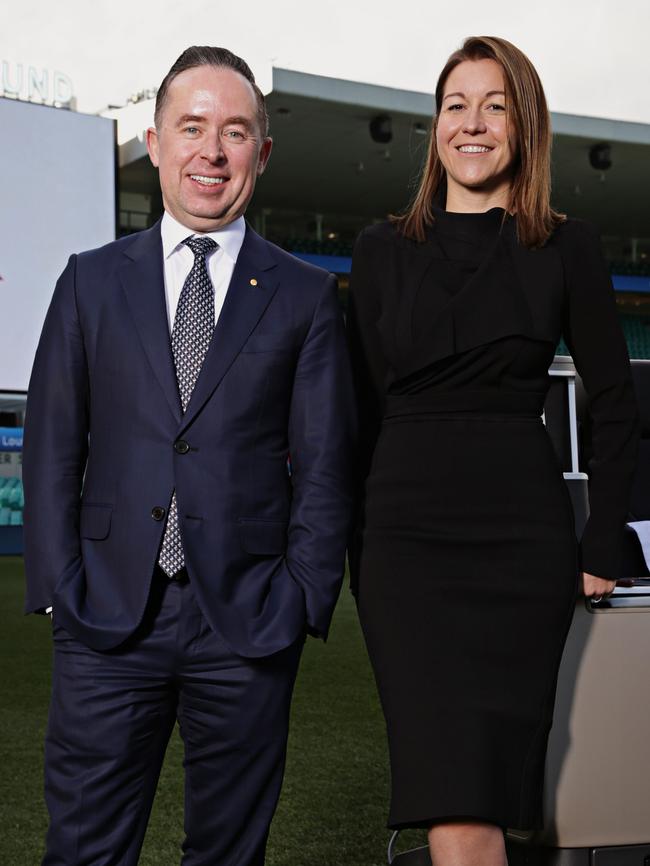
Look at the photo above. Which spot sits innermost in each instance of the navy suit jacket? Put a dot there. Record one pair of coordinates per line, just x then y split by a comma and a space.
105, 447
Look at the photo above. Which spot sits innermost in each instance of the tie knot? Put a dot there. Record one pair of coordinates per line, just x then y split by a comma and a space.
200, 246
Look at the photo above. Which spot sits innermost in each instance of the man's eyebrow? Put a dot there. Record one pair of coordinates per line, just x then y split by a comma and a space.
239, 120
189, 118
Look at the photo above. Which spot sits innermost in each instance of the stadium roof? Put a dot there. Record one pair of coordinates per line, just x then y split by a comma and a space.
325, 161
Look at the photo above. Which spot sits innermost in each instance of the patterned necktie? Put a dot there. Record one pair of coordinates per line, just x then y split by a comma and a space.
191, 335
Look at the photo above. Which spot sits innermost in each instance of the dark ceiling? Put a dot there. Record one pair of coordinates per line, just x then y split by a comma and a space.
325, 162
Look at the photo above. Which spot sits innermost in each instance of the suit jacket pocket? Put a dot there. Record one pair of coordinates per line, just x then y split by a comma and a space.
95, 521
263, 537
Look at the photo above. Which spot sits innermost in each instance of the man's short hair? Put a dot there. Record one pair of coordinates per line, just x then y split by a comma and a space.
207, 55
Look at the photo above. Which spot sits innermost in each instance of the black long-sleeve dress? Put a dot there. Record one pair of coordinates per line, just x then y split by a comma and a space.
466, 561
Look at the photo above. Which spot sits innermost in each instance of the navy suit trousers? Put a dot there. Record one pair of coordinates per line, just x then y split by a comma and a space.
112, 714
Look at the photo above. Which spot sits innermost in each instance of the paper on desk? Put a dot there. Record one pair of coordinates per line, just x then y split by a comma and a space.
642, 529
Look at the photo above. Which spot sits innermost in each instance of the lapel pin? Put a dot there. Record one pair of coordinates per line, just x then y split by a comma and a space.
253, 282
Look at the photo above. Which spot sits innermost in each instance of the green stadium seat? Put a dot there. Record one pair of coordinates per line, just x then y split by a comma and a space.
637, 335
11, 493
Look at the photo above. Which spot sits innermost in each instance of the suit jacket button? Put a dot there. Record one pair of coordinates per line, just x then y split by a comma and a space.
157, 512
181, 446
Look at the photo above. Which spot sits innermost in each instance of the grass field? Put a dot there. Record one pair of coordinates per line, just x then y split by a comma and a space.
333, 806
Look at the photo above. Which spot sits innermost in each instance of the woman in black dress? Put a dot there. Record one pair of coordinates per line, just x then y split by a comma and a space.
467, 563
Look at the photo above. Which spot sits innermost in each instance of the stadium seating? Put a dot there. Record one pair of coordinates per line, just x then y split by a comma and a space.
12, 502
637, 335
632, 269
322, 248
636, 330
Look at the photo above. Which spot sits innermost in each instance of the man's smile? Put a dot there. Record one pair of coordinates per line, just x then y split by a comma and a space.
205, 180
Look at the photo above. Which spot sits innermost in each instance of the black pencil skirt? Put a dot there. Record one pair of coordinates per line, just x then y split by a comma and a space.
467, 587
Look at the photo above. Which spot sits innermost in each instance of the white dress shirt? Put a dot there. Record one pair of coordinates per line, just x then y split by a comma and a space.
178, 260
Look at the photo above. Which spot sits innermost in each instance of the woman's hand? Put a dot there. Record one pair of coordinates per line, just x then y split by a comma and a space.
596, 588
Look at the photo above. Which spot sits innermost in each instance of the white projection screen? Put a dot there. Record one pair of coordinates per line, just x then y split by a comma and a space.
57, 197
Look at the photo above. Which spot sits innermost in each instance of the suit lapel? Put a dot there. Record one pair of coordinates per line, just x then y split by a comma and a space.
251, 289
143, 283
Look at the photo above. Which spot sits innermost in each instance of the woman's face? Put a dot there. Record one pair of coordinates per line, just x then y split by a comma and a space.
475, 141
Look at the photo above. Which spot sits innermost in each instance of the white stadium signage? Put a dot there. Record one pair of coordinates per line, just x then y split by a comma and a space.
33, 84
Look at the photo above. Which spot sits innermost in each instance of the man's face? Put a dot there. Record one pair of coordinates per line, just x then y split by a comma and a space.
208, 147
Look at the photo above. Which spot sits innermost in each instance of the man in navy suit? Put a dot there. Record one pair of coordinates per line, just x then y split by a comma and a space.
187, 493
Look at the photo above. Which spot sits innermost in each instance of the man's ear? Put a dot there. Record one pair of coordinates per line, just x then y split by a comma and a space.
152, 145
265, 153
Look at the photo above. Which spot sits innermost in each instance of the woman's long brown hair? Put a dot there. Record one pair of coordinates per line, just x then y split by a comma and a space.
528, 113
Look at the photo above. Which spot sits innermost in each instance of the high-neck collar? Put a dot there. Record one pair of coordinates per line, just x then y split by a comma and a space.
493, 214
